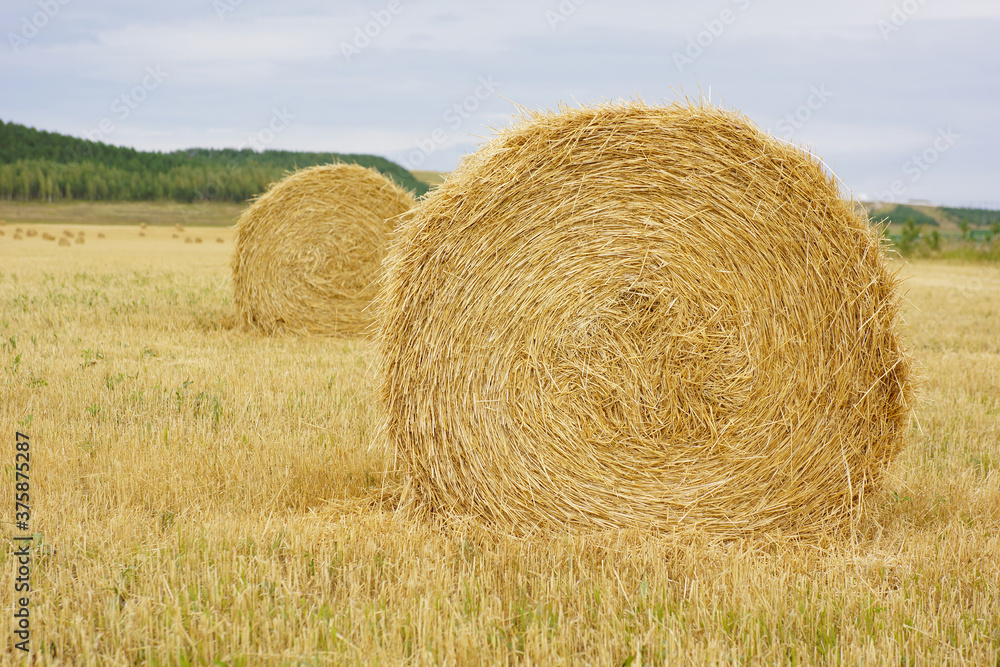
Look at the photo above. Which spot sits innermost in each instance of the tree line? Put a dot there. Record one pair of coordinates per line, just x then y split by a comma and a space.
46, 166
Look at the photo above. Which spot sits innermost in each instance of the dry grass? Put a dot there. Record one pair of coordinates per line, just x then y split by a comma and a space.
308, 250
635, 316
182, 475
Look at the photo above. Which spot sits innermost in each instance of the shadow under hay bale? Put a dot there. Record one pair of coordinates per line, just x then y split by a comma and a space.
309, 250
629, 315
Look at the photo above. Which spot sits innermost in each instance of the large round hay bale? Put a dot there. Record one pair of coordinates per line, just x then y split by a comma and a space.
308, 250
629, 315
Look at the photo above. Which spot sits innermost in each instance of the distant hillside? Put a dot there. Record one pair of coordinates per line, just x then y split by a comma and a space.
898, 214
965, 222
39, 165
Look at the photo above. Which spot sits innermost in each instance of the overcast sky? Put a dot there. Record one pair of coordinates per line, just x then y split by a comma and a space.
901, 98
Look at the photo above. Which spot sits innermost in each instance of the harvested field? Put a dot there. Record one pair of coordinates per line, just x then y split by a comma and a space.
199, 494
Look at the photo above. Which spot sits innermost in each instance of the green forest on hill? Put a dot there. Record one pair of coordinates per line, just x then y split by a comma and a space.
45, 166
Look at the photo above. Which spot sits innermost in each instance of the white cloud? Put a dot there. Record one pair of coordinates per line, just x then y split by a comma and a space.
226, 75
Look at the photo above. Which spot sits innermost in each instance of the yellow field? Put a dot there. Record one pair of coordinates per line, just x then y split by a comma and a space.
199, 494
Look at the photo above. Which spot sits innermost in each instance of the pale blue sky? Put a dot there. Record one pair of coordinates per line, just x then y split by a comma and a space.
893, 95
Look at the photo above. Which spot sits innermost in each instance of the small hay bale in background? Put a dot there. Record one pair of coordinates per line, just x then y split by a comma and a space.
187, 239
308, 250
197, 239
46, 236
31, 232
143, 225
80, 239
219, 239
141, 234
18, 237
628, 315
65, 241
100, 235
68, 233
179, 227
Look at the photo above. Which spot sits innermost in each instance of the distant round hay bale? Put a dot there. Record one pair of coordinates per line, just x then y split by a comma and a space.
308, 250
188, 239
46, 236
628, 315
64, 241
80, 239
100, 235
18, 237
32, 232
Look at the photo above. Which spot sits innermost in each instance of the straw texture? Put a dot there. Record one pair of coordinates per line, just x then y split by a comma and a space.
629, 315
309, 249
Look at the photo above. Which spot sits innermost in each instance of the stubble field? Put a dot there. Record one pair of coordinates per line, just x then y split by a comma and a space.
200, 494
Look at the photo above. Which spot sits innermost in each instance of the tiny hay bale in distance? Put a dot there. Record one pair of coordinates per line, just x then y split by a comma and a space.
308, 251
628, 315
